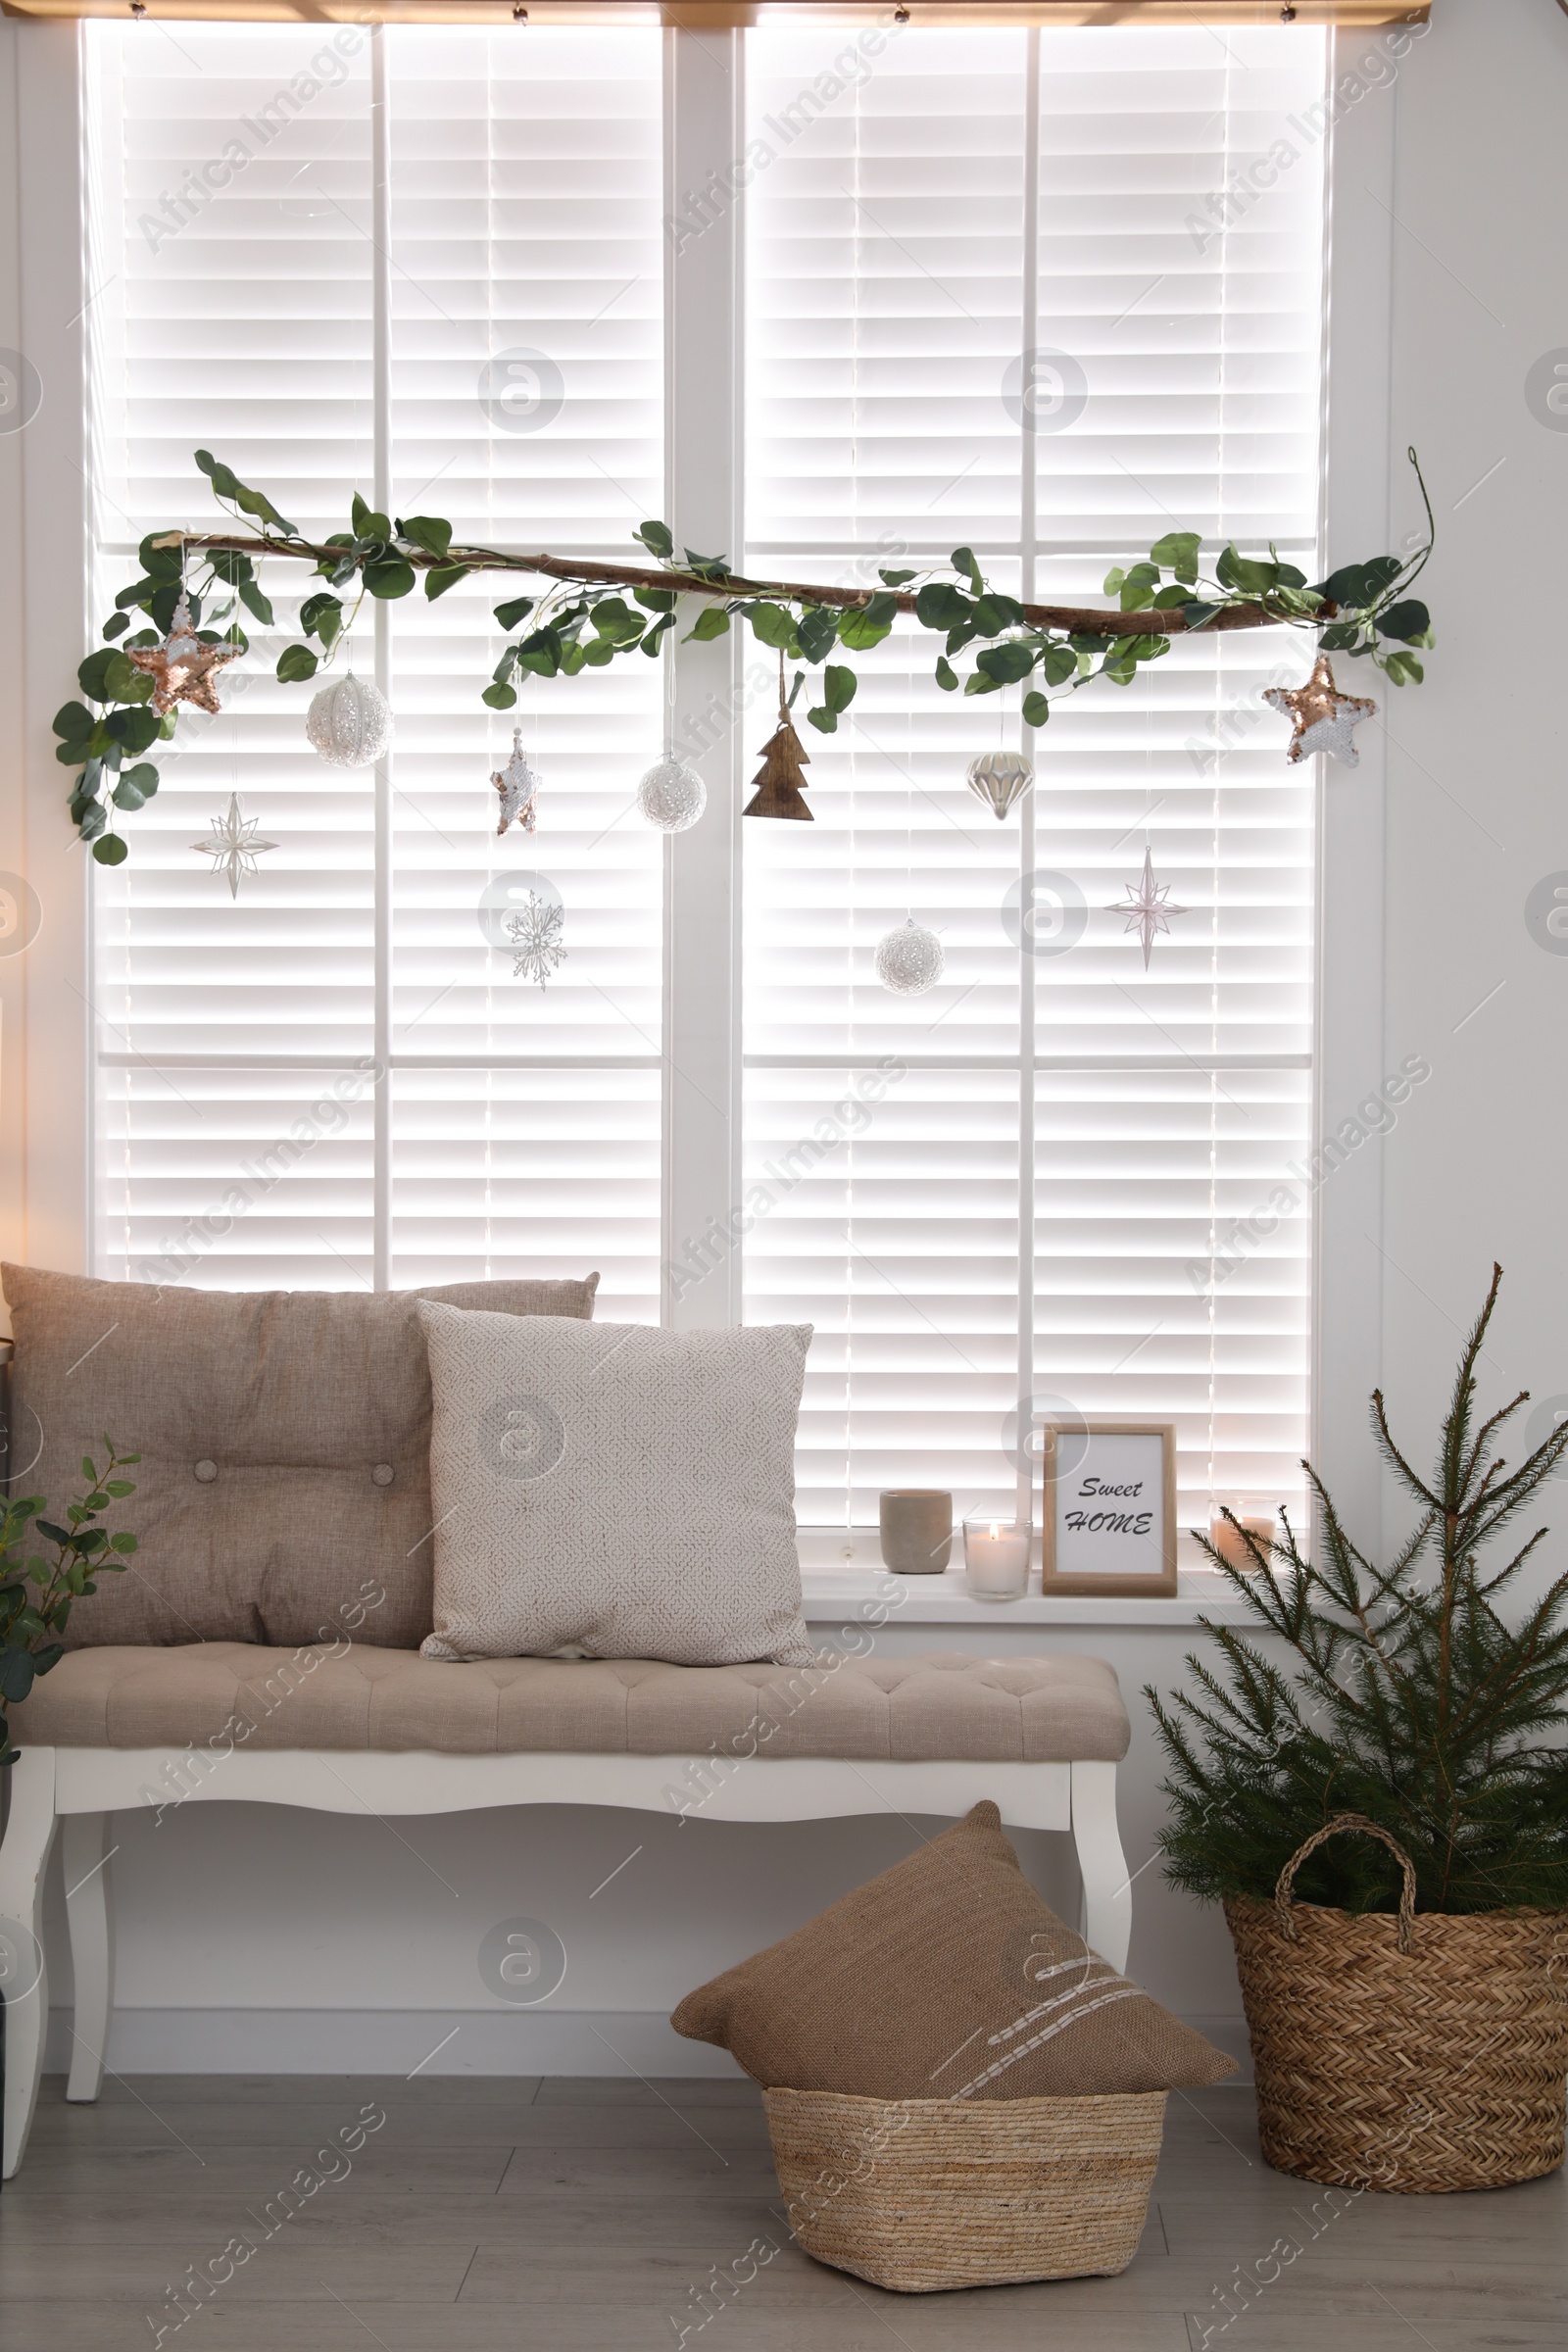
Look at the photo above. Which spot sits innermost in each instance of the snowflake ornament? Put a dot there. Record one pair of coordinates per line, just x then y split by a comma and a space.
535, 933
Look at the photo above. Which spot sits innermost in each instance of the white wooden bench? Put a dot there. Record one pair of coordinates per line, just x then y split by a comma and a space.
83, 1788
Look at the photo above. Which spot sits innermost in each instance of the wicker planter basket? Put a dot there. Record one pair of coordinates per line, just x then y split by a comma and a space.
926, 2193
1413, 2054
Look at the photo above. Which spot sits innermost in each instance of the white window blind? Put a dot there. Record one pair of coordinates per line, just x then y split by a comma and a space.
996, 295
244, 1138
1031, 1207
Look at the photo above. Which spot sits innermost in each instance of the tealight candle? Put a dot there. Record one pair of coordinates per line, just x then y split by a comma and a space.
996, 1558
1256, 1518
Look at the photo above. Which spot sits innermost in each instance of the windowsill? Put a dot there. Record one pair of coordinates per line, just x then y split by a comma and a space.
856, 1593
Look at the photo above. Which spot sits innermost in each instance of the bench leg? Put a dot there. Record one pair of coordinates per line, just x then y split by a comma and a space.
92, 1947
1108, 1890
24, 1979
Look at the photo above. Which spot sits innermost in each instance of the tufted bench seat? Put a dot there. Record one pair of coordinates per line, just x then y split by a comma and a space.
215, 1695
282, 1494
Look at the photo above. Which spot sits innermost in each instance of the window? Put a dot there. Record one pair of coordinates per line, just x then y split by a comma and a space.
1001, 291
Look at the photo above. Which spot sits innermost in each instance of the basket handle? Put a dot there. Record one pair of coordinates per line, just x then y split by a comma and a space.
1332, 1828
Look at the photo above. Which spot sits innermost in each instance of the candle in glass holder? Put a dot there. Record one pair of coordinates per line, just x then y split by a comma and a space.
1257, 1518
996, 1557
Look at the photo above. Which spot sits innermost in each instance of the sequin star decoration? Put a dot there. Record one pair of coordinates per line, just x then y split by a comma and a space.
518, 784
535, 932
234, 846
1147, 907
182, 667
1322, 716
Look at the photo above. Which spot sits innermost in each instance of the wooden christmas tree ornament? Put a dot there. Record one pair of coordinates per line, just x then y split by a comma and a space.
777, 782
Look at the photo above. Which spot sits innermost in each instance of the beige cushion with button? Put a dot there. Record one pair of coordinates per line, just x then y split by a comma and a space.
949, 1706
260, 1417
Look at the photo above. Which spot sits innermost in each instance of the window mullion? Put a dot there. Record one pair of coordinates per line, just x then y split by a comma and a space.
703, 99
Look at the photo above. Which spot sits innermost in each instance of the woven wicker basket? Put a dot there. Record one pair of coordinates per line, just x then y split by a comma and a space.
925, 2194
1412, 2054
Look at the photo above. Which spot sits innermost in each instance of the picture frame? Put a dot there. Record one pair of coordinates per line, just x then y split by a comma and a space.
1096, 1551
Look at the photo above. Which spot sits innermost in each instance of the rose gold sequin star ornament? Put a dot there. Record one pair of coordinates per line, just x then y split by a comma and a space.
1322, 716
184, 668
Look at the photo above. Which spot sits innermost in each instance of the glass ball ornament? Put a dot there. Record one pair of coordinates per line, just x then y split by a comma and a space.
672, 795
999, 778
349, 722
909, 959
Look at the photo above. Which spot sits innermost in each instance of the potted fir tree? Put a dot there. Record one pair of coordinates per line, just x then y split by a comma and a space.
1378, 1792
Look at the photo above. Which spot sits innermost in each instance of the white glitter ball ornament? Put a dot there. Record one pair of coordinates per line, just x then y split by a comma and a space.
672, 795
348, 723
999, 778
910, 960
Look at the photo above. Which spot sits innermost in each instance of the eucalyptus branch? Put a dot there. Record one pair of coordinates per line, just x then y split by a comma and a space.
31, 1620
583, 620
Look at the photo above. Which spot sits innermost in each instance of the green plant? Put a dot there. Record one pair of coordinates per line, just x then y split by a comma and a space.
31, 1622
1405, 1693
583, 622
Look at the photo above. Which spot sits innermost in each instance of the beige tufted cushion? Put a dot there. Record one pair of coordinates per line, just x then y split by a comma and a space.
284, 1436
949, 1706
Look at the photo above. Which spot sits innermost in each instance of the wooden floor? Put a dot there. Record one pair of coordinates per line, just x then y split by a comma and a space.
598, 2216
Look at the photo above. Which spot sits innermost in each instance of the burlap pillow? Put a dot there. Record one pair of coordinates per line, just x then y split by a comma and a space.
283, 1493
624, 1492
946, 1977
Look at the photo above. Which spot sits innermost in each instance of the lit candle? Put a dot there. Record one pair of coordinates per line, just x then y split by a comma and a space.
1257, 1519
996, 1558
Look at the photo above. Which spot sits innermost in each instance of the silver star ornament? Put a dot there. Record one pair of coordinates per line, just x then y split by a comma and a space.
1148, 907
234, 846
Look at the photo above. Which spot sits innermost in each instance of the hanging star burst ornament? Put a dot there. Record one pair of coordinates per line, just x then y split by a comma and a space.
183, 668
518, 784
1321, 716
233, 848
535, 932
1147, 907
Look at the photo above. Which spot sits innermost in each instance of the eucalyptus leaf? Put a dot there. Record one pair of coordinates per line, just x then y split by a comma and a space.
427, 531
941, 606
712, 621
839, 686
860, 628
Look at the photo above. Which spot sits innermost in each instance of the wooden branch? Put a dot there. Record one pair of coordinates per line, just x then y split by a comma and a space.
1082, 620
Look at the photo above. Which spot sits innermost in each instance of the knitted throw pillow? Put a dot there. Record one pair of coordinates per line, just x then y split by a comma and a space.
625, 1493
946, 1977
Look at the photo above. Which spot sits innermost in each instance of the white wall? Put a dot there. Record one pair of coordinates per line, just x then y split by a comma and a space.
1477, 809
247, 1917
